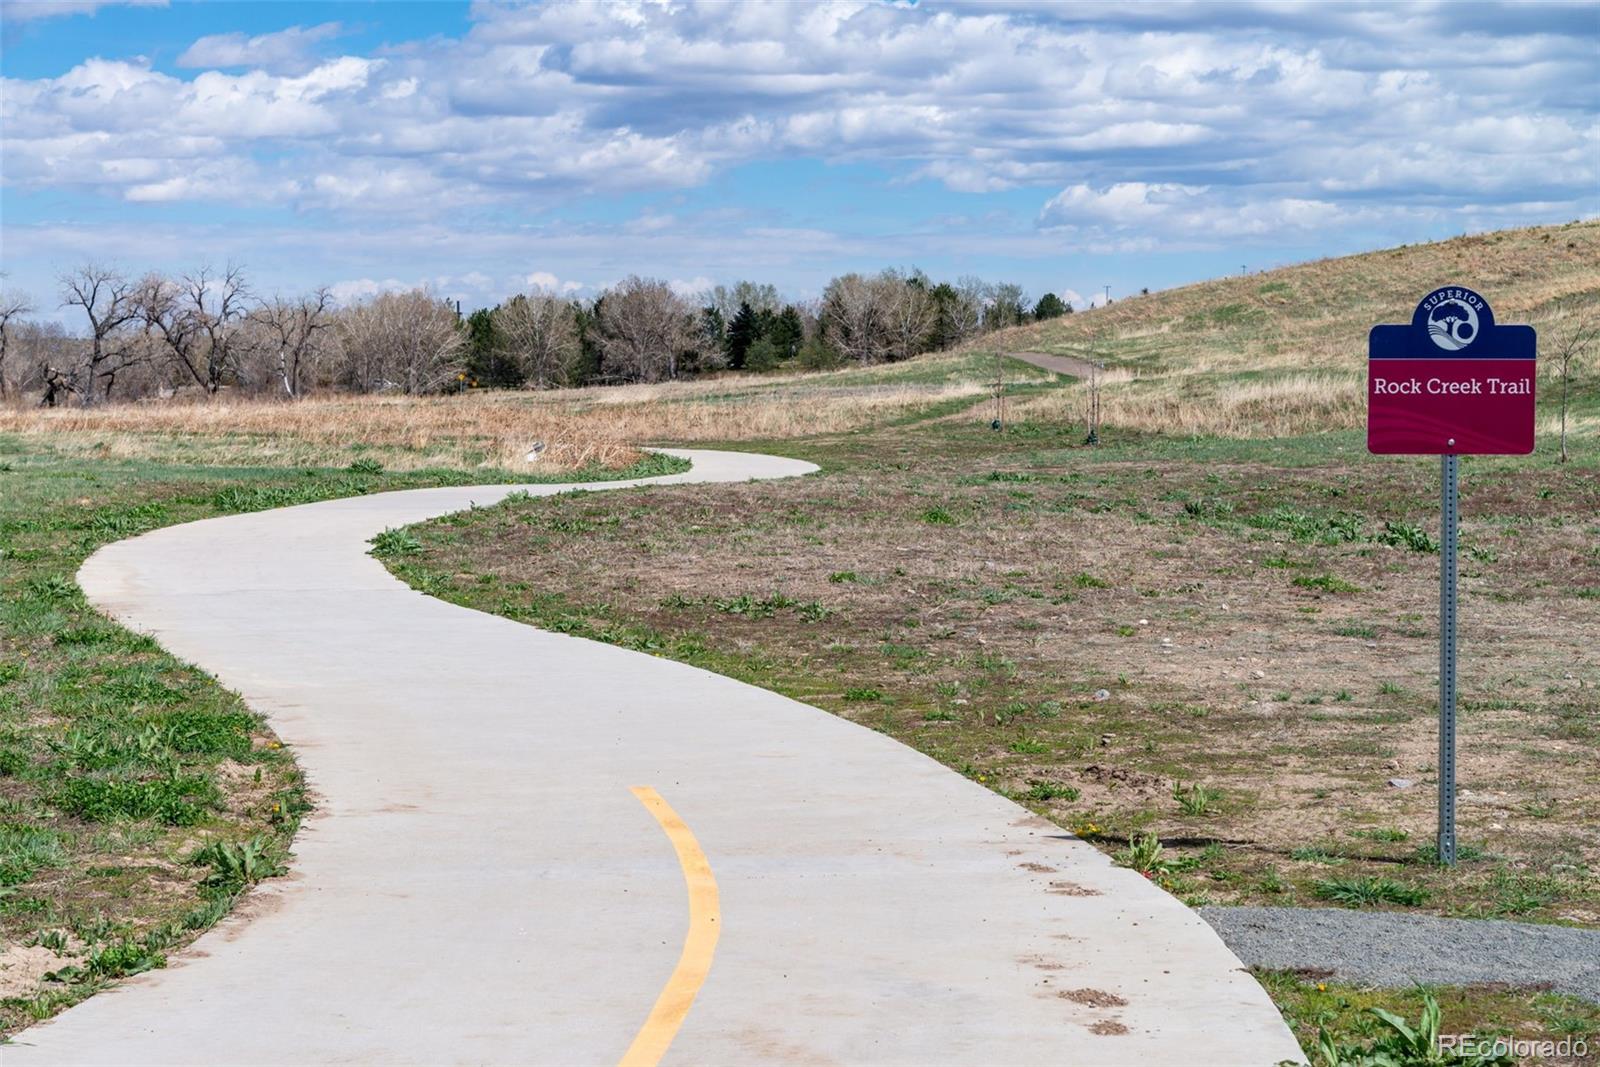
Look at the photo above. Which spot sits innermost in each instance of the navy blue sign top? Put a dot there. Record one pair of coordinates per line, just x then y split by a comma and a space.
1452, 322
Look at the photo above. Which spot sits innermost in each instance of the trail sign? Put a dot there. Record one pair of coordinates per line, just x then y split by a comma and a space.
1452, 382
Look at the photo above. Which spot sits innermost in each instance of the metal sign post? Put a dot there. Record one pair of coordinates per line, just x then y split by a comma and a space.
1452, 382
1448, 519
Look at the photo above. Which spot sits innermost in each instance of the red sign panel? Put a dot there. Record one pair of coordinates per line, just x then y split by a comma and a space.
1452, 382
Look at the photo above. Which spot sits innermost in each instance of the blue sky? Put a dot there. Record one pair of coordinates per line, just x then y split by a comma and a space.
490, 148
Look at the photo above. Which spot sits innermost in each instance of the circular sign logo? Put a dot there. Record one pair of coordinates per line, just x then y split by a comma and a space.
1453, 324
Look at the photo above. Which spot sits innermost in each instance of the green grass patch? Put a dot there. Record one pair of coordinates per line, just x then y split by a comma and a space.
1325, 583
1369, 891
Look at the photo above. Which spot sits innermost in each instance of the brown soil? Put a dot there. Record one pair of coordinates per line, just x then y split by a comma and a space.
1091, 633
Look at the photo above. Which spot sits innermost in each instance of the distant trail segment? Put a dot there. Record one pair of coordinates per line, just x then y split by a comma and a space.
531, 848
1071, 366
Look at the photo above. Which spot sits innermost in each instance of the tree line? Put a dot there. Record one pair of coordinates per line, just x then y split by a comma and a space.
207, 331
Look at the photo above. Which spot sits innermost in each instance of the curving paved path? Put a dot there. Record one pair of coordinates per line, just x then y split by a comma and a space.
1070, 366
481, 882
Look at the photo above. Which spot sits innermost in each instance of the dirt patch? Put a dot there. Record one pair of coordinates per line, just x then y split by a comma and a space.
1123, 777
1093, 998
22, 968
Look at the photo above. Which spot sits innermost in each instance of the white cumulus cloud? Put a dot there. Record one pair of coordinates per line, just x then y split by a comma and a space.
1096, 128
283, 50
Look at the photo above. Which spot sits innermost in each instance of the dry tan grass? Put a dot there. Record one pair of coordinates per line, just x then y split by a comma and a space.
1284, 352
581, 427
1190, 405
705, 413
1273, 354
404, 433
1315, 316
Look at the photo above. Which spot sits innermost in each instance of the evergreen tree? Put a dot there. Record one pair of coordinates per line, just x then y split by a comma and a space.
486, 363
1050, 306
589, 368
713, 330
816, 354
1006, 307
946, 301
787, 332
764, 355
766, 322
742, 333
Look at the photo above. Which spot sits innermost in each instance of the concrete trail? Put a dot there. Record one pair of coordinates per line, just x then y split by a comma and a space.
522, 839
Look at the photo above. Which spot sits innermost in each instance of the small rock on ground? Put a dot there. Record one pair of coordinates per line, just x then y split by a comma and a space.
1388, 949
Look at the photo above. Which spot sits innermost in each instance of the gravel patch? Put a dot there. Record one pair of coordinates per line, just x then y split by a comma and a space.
1388, 949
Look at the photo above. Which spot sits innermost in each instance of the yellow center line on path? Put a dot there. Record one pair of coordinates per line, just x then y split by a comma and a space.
694, 963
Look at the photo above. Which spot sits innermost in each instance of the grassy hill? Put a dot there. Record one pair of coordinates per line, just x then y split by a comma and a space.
1284, 351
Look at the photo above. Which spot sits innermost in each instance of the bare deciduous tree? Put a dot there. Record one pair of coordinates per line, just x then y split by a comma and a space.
410, 341
761, 296
1570, 351
885, 317
854, 319
291, 328
1008, 306
168, 320
644, 328
539, 334
37, 348
110, 302
217, 304
911, 313
972, 296
12, 307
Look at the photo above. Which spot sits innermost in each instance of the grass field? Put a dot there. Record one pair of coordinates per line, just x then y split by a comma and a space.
1214, 632
495, 431
1313, 1004
1228, 646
